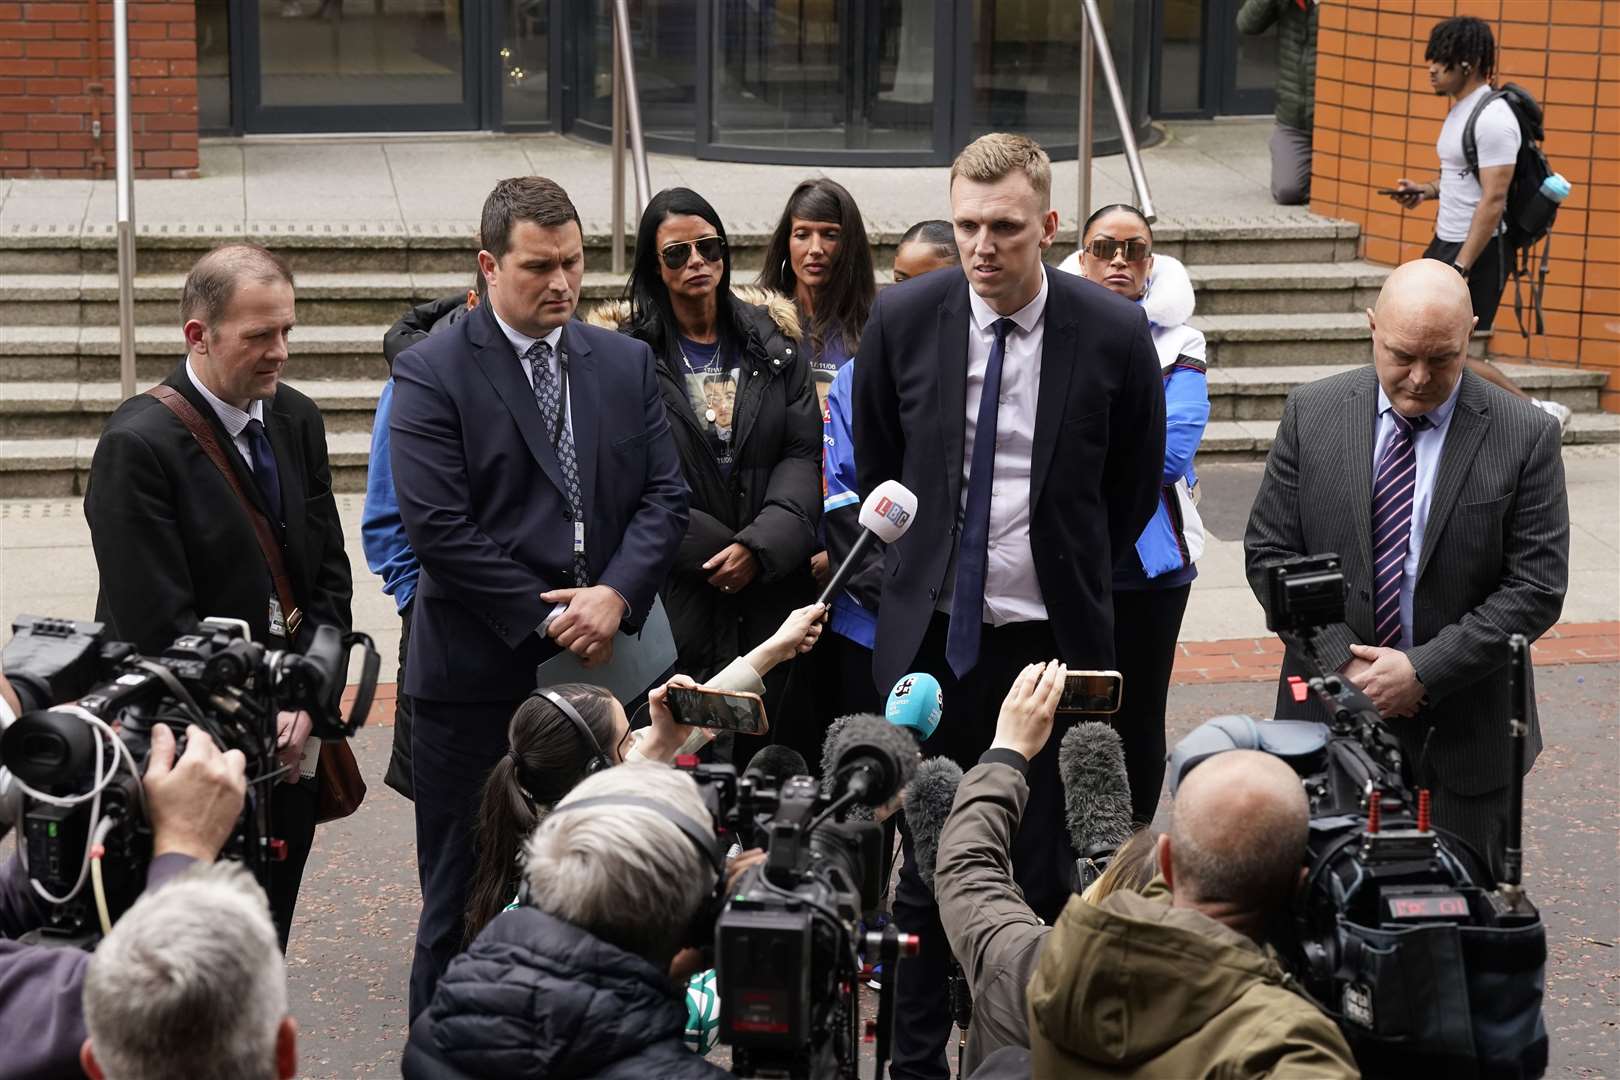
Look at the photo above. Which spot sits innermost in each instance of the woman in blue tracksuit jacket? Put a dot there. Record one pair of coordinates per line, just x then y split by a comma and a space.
1151, 588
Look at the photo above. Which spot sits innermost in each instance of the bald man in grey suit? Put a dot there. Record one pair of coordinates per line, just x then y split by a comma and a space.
1444, 497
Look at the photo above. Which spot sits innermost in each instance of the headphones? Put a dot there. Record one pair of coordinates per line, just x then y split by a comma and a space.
599, 759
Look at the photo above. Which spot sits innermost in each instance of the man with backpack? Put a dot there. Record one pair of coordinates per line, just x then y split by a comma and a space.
1488, 212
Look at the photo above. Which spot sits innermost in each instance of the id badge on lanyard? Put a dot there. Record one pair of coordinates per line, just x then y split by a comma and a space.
278, 620
579, 538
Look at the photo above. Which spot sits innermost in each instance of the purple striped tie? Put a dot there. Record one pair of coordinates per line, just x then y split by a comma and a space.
1394, 484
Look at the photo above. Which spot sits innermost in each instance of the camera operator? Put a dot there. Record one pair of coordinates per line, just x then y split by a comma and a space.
191, 983
194, 804
1192, 987
577, 980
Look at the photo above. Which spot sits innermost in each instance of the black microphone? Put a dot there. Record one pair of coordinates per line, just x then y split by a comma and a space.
869, 758
1096, 795
771, 765
885, 515
929, 798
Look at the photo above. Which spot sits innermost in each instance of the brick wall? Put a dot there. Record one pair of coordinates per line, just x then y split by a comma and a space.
56, 82
1377, 120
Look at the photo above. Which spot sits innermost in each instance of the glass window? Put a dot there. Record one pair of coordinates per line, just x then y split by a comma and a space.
1181, 61
663, 40
825, 74
213, 66
360, 52
524, 45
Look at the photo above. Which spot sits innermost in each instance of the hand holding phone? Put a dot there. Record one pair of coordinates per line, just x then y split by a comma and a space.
722, 710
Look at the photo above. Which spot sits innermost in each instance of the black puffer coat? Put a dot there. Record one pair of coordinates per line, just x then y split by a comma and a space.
770, 502
535, 997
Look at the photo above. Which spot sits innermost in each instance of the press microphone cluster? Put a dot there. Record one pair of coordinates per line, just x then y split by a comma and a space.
868, 758
885, 515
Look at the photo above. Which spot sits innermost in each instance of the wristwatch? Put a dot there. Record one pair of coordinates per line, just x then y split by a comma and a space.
1461, 269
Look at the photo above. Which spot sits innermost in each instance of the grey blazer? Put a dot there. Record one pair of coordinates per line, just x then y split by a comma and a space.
1495, 557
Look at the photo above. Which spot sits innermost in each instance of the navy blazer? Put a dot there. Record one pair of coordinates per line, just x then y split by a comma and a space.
1095, 474
481, 495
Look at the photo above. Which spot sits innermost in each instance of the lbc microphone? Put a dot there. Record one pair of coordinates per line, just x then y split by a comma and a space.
868, 757
915, 704
929, 798
885, 515
1096, 794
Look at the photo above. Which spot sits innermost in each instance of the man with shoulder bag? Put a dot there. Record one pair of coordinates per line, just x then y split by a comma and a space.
210, 495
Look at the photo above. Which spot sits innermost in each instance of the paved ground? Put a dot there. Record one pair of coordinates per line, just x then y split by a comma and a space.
1201, 169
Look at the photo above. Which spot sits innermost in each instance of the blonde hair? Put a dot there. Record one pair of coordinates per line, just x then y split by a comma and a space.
991, 157
1134, 864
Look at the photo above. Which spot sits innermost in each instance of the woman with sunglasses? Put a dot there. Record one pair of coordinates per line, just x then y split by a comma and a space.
736, 387
1151, 584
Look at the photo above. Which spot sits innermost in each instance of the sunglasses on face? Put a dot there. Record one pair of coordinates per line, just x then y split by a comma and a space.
709, 249
1104, 248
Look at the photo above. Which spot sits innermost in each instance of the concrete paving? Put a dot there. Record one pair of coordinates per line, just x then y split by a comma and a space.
1200, 169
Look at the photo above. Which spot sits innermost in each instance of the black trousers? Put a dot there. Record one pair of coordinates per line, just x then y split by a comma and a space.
454, 745
292, 819
1042, 857
1146, 625
398, 775
1486, 278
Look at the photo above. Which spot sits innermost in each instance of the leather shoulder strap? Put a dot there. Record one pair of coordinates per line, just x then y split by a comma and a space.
188, 415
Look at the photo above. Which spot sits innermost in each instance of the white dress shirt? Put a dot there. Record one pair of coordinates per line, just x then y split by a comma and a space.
232, 419
1011, 591
1426, 445
522, 342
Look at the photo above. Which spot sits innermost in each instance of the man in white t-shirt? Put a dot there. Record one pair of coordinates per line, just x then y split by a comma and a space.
1461, 56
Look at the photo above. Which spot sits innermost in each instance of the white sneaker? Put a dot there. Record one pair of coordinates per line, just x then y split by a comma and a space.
1558, 412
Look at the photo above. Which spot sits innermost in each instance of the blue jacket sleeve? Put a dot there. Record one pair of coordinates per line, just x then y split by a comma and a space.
382, 530
1186, 414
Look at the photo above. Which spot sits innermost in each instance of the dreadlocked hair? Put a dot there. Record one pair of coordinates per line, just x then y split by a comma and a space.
1463, 40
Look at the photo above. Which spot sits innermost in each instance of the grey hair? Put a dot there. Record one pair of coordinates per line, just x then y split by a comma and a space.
623, 873
189, 983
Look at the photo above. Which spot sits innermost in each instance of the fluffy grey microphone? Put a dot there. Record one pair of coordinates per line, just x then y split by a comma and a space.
1096, 793
929, 798
867, 751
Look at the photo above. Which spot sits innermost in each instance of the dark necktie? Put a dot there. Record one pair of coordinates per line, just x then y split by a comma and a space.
265, 473
1394, 486
967, 601
548, 395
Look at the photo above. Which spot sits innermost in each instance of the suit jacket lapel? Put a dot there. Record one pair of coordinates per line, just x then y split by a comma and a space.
1360, 424
1470, 420
953, 365
494, 355
182, 382
582, 410
1057, 369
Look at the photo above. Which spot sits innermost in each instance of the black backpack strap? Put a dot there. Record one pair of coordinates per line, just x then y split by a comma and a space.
1470, 145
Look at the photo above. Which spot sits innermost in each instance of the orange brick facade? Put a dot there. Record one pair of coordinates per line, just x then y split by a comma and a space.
56, 89
1377, 120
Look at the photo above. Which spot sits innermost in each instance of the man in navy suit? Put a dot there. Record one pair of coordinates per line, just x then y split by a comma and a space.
541, 491
1026, 411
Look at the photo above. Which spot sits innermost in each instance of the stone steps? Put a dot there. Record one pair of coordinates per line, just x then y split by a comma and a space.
1259, 393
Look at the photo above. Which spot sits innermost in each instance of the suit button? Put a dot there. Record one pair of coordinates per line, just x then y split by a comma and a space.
933, 593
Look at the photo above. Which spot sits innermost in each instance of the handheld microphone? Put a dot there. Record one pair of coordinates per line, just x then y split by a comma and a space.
772, 765
1096, 794
867, 757
929, 798
915, 704
885, 515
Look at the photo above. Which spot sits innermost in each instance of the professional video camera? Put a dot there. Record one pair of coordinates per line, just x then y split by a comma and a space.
1400, 932
75, 770
788, 940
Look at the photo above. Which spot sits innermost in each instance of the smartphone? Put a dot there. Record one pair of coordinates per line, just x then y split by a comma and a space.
724, 710
1390, 191
1092, 692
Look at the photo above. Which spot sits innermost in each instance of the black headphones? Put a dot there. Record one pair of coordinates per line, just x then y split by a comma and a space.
599, 759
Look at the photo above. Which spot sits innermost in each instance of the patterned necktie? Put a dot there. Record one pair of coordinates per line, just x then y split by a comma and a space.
967, 602
1394, 485
548, 395
265, 473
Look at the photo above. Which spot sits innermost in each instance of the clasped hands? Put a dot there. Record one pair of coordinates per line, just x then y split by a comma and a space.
589, 620
1387, 677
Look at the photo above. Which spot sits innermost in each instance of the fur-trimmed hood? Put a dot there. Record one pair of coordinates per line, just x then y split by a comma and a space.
1169, 299
613, 314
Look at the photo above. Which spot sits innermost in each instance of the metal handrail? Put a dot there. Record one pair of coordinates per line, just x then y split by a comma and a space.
626, 115
1094, 44
125, 156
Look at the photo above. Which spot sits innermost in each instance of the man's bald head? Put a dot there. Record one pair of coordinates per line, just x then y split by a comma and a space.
1237, 838
1421, 326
